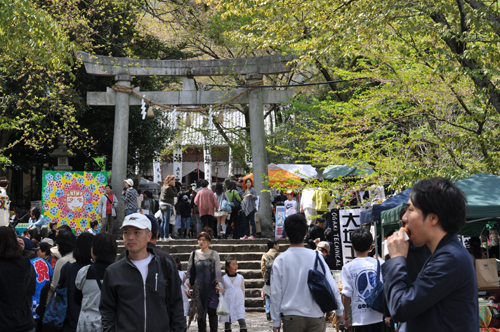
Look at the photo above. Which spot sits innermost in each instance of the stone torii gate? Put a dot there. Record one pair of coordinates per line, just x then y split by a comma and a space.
123, 69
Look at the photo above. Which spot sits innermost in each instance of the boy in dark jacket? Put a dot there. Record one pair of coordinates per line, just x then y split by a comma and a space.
316, 234
185, 208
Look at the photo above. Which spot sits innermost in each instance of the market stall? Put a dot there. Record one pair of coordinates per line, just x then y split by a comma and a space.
276, 175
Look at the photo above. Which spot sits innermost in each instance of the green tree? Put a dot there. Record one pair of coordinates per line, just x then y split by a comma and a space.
40, 103
428, 103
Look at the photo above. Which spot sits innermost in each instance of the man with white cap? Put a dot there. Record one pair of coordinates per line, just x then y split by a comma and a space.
141, 292
129, 196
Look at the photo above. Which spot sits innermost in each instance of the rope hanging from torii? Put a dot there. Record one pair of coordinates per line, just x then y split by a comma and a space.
130, 89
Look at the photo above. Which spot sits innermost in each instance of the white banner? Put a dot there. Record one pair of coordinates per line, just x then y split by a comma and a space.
280, 221
157, 172
178, 163
207, 161
349, 221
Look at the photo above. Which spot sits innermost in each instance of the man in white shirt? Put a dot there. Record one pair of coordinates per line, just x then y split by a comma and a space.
359, 277
307, 205
290, 204
290, 295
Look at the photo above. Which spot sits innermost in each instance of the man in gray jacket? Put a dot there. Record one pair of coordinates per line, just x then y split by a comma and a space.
136, 294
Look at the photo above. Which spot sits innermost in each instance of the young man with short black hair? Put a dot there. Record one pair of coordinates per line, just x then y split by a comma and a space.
444, 295
359, 277
290, 295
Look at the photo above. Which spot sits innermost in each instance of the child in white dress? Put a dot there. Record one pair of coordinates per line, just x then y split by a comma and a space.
234, 293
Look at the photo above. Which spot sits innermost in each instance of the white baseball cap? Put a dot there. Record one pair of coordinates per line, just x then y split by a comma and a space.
130, 182
137, 220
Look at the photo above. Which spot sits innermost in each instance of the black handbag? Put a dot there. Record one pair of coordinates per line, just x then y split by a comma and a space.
320, 288
375, 299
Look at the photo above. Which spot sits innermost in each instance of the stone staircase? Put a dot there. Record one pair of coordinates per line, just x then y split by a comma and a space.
248, 253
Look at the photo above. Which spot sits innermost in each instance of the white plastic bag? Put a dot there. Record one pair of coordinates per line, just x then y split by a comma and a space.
222, 308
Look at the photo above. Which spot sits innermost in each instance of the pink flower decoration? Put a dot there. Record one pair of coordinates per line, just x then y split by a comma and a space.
67, 186
72, 224
56, 219
85, 214
53, 200
83, 187
89, 177
59, 184
78, 214
46, 207
95, 198
62, 213
93, 216
101, 190
78, 231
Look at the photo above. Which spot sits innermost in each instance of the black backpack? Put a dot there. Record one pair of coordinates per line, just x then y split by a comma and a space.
320, 288
269, 267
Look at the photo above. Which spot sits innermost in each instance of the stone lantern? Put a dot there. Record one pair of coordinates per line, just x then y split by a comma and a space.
62, 155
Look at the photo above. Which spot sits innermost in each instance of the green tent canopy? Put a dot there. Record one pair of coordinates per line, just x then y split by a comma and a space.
483, 195
390, 218
483, 205
332, 172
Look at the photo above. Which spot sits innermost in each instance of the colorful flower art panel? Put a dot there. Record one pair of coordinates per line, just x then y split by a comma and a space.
71, 198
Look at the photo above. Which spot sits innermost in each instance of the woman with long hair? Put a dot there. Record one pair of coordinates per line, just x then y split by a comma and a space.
89, 280
168, 193
248, 207
234, 198
17, 284
65, 240
83, 257
204, 275
220, 195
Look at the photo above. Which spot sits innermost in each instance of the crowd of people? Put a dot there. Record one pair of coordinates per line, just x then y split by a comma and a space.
429, 281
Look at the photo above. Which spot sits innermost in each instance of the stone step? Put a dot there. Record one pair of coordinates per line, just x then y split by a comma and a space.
242, 265
252, 292
254, 283
215, 241
239, 256
254, 302
220, 248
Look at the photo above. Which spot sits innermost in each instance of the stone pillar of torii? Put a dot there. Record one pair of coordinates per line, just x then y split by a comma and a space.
124, 69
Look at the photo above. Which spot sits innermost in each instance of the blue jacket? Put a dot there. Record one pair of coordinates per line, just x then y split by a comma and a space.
444, 296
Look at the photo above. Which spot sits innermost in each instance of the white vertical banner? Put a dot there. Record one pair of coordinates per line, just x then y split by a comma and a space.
230, 164
349, 221
157, 172
178, 163
207, 161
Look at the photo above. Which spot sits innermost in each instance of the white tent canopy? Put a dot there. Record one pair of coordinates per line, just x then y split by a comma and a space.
305, 171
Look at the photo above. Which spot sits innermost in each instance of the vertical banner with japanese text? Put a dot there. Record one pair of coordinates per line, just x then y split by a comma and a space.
178, 163
349, 221
207, 160
157, 172
336, 249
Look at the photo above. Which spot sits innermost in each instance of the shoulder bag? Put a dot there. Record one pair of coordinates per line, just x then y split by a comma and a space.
57, 308
375, 299
320, 288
